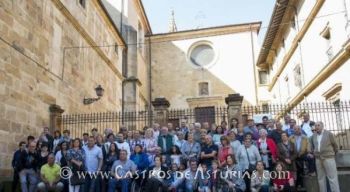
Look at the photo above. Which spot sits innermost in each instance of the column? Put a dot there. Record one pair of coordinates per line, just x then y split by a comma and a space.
160, 114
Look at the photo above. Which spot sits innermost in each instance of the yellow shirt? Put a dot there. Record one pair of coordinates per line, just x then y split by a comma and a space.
50, 172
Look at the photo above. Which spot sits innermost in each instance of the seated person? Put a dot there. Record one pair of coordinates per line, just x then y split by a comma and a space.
50, 176
140, 158
204, 184
260, 180
190, 180
285, 181
121, 172
231, 181
155, 176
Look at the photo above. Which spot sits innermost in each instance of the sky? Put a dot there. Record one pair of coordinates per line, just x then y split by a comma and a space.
193, 14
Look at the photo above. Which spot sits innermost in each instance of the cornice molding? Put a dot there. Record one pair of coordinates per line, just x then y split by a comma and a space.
213, 31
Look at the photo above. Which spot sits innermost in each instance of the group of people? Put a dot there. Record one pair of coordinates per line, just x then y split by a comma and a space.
194, 157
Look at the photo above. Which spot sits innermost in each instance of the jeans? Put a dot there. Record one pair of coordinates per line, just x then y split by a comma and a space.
31, 175
92, 184
57, 188
114, 183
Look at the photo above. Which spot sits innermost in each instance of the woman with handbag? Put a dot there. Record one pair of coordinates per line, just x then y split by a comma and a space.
230, 178
76, 159
247, 156
190, 149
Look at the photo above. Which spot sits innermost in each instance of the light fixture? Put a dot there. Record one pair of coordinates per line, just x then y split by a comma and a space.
99, 92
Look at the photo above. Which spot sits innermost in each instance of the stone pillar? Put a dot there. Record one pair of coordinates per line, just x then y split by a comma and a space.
131, 87
161, 106
55, 117
234, 105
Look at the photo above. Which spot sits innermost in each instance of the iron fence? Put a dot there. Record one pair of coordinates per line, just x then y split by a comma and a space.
334, 115
199, 114
78, 124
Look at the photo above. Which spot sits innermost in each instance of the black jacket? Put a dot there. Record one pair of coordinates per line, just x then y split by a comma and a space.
28, 160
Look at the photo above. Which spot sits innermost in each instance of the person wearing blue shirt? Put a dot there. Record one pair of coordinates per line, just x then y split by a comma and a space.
140, 158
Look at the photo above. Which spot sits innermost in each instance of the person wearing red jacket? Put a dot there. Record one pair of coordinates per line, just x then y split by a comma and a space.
267, 149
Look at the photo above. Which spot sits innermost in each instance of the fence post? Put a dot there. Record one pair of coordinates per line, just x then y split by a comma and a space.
161, 106
55, 117
234, 105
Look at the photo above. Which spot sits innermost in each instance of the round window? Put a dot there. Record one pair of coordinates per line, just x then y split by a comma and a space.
202, 55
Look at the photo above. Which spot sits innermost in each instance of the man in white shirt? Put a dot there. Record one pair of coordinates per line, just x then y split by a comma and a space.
122, 144
325, 149
93, 164
307, 125
286, 122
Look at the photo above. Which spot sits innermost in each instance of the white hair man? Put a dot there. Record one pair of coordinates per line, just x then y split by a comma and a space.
325, 149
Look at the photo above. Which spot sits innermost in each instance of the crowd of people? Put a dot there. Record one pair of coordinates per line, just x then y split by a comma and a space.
255, 150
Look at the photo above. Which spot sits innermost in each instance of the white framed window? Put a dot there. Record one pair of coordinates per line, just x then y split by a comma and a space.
202, 54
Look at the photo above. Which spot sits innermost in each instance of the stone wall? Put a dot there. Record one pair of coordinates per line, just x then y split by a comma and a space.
177, 79
36, 70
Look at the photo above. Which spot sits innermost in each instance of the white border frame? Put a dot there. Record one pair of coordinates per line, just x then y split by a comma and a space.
202, 42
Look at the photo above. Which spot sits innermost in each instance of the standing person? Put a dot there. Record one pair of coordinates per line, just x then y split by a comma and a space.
112, 155
234, 125
286, 152
15, 164
267, 149
270, 126
122, 144
233, 141
120, 172
156, 130
50, 176
218, 133
276, 134
93, 163
240, 134
61, 160
190, 149
85, 139
260, 180
181, 139
136, 140
247, 156
57, 140
175, 155
76, 160
110, 139
197, 132
183, 128
212, 130
27, 168
47, 137
286, 120
290, 131
209, 152
43, 154
165, 140
302, 148
150, 144
66, 136
325, 148
251, 128
94, 132
224, 150
307, 125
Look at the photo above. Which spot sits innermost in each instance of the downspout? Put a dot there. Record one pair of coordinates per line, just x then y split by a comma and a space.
149, 81
254, 67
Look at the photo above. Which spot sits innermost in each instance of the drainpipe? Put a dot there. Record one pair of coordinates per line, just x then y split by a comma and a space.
149, 80
254, 67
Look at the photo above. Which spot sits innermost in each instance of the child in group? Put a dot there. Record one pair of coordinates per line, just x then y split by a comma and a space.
175, 155
284, 181
214, 175
204, 184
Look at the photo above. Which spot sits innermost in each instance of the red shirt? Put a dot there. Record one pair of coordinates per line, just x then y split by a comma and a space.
284, 178
223, 153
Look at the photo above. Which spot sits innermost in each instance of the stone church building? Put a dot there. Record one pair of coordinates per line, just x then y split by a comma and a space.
54, 53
